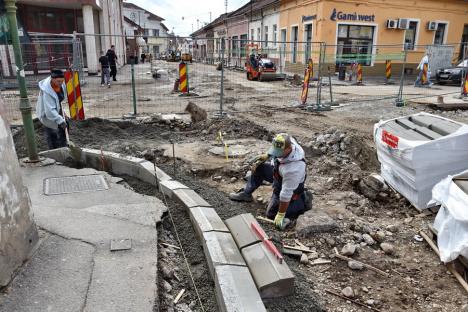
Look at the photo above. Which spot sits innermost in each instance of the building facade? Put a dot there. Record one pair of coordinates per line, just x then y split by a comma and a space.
150, 27
47, 29
378, 28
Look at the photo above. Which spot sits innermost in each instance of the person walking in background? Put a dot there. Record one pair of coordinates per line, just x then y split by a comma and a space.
49, 108
112, 57
143, 57
419, 82
105, 70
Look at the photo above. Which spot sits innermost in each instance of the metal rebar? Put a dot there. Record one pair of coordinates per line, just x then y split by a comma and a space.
399, 102
133, 88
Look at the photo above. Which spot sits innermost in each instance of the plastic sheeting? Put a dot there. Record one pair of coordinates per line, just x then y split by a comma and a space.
413, 167
451, 222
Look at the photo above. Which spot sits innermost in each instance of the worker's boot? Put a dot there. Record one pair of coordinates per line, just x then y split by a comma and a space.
308, 197
241, 196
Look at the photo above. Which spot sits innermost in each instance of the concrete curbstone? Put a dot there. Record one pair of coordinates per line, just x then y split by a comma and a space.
168, 187
273, 279
241, 230
189, 198
220, 249
147, 173
206, 219
236, 290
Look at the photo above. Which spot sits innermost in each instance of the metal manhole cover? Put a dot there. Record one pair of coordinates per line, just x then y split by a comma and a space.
75, 184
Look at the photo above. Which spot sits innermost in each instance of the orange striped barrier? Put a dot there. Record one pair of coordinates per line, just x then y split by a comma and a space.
305, 86
183, 78
359, 74
388, 70
75, 101
424, 74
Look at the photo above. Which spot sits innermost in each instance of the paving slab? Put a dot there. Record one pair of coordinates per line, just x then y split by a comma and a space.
189, 198
241, 230
314, 221
220, 249
205, 219
122, 280
273, 279
55, 279
169, 186
236, 290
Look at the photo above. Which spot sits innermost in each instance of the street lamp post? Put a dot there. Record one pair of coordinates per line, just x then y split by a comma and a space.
25, 105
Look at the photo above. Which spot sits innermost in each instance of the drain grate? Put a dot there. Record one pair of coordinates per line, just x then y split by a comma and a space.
75, 184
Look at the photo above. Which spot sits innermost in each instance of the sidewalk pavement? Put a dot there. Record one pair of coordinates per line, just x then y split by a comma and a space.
73, 268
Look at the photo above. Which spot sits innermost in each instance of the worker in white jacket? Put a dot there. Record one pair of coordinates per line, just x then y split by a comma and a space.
424, 60
49, 108
287, 171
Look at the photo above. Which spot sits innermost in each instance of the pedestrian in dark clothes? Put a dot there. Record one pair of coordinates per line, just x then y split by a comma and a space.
105, 70
112, 57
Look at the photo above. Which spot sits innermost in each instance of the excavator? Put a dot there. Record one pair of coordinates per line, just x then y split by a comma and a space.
258, 66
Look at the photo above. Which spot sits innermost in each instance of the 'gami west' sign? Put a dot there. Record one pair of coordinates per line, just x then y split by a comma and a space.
339, 15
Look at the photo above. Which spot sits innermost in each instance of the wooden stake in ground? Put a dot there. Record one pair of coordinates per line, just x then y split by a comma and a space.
351, 300
337, 254
450, 266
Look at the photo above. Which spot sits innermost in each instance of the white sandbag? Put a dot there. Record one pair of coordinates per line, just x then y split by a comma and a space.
451, 222
413, 166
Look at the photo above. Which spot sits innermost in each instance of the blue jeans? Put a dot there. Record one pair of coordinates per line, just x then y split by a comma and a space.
55, 138
264, 172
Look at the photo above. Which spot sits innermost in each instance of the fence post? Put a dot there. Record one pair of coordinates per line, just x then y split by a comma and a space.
133, 88
399, 101
464, 79
25, 105
221, 94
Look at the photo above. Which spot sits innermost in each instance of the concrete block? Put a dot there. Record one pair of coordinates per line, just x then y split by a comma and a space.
147, 173
58, 154
236, 290
220, 249
241, 229
273, 279
169, 186
189, 198
206, 220
314, 221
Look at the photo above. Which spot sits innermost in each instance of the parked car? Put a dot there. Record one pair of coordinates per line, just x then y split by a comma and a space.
453, 74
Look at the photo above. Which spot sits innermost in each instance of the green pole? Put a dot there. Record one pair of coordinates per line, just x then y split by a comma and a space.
25, 105
133, 88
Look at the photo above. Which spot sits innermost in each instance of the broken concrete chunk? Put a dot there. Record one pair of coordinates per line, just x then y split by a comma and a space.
314, 221
348, 249
355, 265
368, 239
348, 292
388, 248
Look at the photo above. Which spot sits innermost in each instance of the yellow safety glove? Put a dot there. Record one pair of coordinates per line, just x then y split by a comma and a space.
279, 220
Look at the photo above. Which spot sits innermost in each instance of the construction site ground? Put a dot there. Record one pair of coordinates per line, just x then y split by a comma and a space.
340, 154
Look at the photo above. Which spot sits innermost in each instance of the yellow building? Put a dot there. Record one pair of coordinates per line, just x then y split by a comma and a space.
372, 31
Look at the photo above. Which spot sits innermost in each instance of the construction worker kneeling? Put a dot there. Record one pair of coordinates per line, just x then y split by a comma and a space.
285, 167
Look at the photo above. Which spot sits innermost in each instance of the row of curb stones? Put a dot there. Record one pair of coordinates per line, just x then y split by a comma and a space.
235, 287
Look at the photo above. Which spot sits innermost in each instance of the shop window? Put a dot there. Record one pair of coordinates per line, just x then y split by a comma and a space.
440, 33
410, 35
294, 31
355, 44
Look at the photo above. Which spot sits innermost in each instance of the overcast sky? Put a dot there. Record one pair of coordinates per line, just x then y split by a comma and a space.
173, 11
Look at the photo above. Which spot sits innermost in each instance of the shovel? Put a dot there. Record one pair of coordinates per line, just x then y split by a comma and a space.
74, 150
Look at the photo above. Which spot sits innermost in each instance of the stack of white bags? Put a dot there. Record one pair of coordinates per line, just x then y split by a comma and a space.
416, 152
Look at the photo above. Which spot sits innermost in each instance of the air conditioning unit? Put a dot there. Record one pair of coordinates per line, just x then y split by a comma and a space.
403, 23
392, 24
432, 25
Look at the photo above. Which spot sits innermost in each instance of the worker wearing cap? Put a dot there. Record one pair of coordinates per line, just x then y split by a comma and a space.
287, 171
49, 108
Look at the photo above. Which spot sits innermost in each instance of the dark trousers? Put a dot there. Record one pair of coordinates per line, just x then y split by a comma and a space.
113, 71
264, 172
55, 138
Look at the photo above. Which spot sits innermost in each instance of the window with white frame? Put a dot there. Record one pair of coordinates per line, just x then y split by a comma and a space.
275, 30
439, 35
294, 34
410, 35
259, 34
